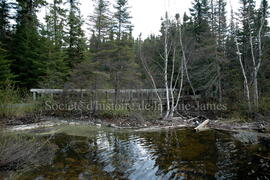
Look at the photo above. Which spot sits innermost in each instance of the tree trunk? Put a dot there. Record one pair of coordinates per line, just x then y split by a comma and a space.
246, 87
166, 68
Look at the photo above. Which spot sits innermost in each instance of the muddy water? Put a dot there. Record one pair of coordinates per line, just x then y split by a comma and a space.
89, 153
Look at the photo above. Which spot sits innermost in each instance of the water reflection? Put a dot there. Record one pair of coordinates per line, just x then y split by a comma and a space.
171, 154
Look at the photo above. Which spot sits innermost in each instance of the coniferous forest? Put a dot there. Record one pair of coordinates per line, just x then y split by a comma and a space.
226, 59
85, 97
201, 53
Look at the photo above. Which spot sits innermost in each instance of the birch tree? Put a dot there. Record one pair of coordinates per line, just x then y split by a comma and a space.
173, 68
256, 59
239, 54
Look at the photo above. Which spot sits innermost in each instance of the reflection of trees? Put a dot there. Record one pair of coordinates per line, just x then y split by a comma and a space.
116, 152
226, 156
164, 154
183, 153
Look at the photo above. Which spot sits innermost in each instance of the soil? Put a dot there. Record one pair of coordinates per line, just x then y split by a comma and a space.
140, 123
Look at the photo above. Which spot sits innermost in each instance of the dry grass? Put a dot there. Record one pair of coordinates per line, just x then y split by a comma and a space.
20, 151
15, 103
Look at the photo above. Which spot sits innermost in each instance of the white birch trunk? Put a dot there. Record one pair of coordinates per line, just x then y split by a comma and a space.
166, 59
244, 74
183, 62
152, 81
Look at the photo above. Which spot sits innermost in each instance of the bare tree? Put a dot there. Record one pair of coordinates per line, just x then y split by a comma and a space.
172, 84
238, 52
246, 86
256, 63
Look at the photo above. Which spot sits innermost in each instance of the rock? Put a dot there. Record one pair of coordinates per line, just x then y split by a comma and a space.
246, 137
112, 125
98, 125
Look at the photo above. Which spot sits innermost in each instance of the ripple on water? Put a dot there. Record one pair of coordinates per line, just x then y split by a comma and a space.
170, 154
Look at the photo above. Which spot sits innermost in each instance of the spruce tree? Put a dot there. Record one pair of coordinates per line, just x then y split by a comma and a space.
76, 45
123, 67
55, 23
53, 39
101, 21
122, 18
203, 63
27, 49
4, 19
5, 73
200, 14
101, 27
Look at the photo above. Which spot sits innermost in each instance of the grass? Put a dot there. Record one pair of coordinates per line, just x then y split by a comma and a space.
15, 103
264, 106
19, 153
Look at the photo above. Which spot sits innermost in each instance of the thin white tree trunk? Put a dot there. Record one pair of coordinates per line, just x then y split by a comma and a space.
259, 63
152, 80
166, 59
244, 74
256, 66
255, 82
171, 83
183, 63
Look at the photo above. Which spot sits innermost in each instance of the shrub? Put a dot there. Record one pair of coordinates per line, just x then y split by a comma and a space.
20, 153
15, 103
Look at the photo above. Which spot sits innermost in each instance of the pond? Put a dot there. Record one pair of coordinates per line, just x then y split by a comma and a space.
97, 153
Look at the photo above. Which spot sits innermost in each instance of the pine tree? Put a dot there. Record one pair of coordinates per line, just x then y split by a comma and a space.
27, 49
247, 17
101, 29
101, 21
5, 73
203, 63
75, 39
200, 14
122, 65
53, 40
4, 19
219, 29
55, 23
122, 18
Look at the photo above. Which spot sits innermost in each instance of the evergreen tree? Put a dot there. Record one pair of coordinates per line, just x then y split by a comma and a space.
101, 31
55, 23
200, 14
4, 19
247, 17
122, 66
203, 63
221, 23
75, 39
27, 49
53, 38
101, 21
220, 31
122, 18
5, 73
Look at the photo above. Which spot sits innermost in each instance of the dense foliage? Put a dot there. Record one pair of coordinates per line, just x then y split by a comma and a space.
58, 54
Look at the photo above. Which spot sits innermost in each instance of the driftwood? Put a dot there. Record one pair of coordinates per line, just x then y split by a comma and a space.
203, 126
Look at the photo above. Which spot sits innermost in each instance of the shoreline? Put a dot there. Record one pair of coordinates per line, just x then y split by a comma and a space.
146, 125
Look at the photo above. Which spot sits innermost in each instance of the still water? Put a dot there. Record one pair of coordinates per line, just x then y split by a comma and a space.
95, 153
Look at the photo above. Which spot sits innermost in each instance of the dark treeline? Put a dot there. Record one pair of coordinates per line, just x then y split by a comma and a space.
227, 59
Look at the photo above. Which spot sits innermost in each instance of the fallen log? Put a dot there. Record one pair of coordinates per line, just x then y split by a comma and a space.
203, 126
